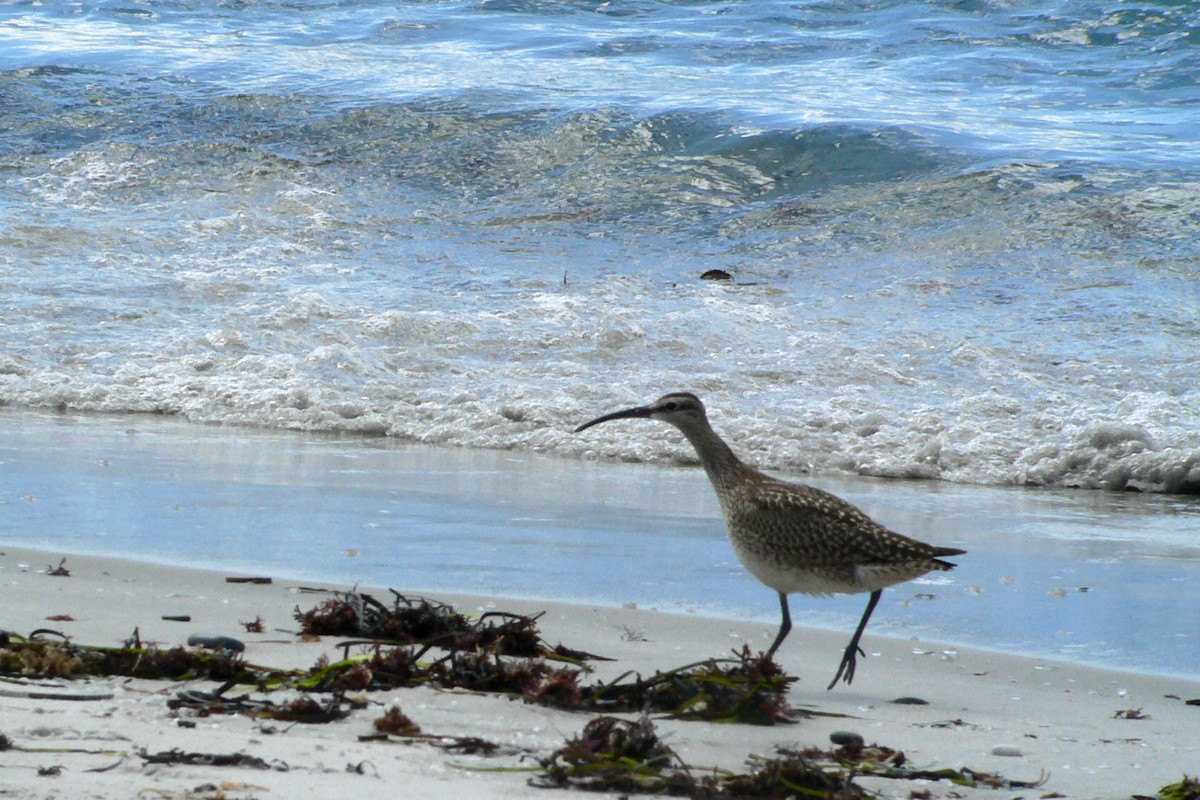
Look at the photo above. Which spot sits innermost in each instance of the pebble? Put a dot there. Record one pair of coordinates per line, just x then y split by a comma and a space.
844, 738
1007, 750
910, 701
215, 642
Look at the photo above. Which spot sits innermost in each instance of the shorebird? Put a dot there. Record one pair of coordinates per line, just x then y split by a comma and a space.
792, 537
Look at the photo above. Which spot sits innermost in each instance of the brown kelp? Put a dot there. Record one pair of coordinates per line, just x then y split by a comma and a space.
426, 623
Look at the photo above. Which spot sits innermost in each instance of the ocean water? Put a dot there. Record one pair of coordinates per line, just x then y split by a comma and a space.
964, 237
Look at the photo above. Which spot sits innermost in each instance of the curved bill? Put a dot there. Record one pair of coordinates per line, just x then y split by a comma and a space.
630, 413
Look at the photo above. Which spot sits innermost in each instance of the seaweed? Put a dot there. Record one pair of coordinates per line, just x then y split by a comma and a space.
302, 709
1187, 788
616, 755
418, 621
408, 621
746, 688
789, 775
177, 663
36, 658
500, 652
1130, 713
177, 756
880, 761
379, 670
558, 688
395, 721
483, 671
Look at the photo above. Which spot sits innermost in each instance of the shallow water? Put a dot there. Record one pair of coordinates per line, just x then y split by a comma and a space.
1087, 576
963, 235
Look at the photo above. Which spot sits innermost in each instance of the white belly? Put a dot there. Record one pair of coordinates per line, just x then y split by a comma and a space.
806, 581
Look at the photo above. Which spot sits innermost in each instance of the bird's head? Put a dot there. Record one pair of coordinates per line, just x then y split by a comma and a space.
682, 409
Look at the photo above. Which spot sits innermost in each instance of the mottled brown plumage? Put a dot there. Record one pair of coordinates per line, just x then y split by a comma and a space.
792, 537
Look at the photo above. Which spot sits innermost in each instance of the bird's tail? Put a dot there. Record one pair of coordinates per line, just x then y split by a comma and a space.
946, 551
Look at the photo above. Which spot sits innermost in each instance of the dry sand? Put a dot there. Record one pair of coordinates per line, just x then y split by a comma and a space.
1061, 718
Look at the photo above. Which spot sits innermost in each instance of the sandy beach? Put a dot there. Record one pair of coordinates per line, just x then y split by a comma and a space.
1087, 733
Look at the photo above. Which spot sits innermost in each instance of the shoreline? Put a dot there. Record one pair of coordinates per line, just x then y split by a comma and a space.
1063, 718
1073, 576
43, 560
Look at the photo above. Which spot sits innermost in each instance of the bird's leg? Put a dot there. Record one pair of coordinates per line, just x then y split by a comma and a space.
784, 626
852, 652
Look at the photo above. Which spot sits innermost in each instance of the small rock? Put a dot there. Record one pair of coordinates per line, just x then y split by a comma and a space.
845, 738
910, 701
715, 275
215, 642
1007, 750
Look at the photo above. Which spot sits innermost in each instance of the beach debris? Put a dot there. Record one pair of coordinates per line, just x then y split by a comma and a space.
255, 625
1187, 788
380, 670
39, 659
790, 774
746, 688
742, 689
213, 641
176, 756
1007, 750
844, 738
60, 571
408, 621
462, 745
629, 634
1130, 713
177, 617
947, 723
34, 657
881, 761
616, 755
619, 755
395, 721
134, 640
715, 275
910, 701
419, 621
304, 709
484, 671
60, 618
250, 579
396, 724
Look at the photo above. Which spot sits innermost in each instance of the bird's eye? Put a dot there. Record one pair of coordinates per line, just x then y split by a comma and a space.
671, 406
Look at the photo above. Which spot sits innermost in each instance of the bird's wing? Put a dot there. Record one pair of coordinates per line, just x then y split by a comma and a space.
827, 527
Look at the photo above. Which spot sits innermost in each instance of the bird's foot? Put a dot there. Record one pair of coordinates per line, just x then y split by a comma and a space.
846, 668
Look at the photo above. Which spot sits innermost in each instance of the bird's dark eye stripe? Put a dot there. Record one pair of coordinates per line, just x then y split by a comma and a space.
671, 406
